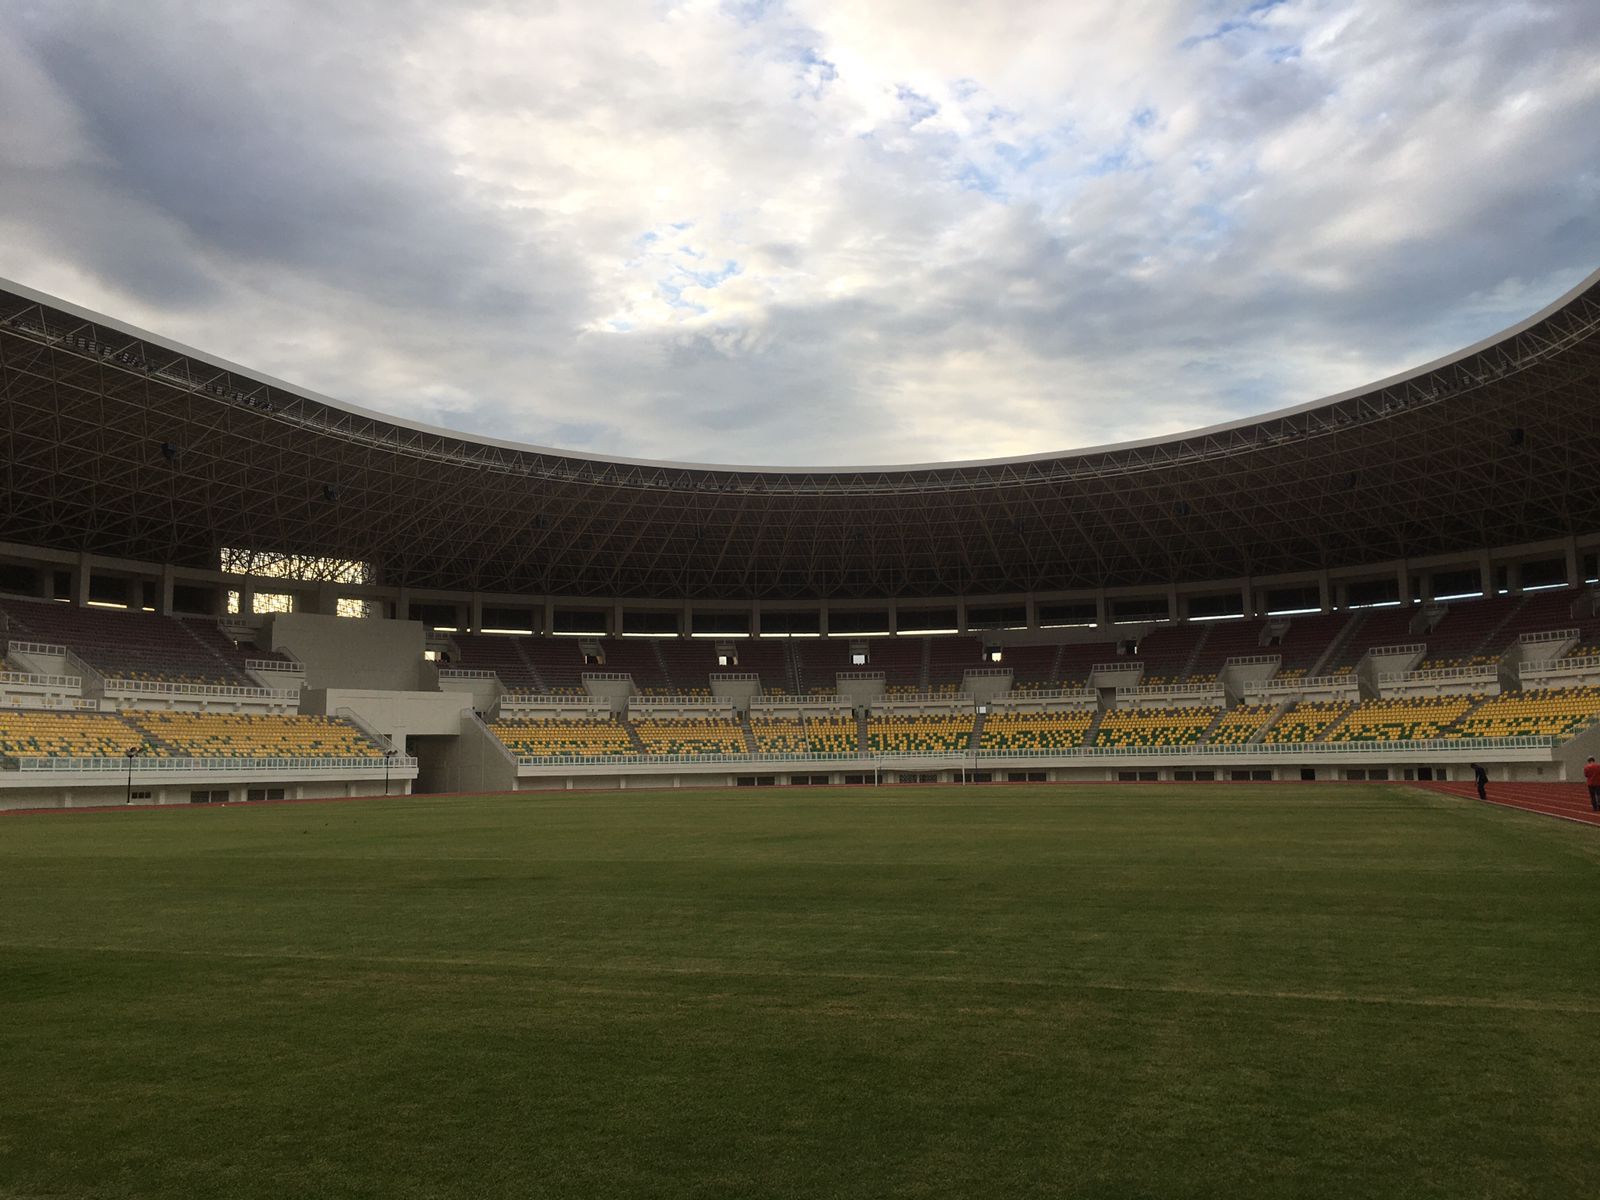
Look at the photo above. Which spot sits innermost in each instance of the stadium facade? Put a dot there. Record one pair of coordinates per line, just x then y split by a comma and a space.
150, 477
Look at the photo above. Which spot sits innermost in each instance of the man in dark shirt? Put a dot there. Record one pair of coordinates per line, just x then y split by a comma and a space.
1482, 778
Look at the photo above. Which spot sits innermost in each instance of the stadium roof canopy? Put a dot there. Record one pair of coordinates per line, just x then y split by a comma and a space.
119, 442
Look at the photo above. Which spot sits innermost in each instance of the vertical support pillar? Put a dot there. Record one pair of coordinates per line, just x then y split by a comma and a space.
475, 613
1574, 564
822, 620
1486, 573
164, 592
686, 620
961, 616
616, 619
1247, 599
1403, 579
755, 618
80, 582
1172, 602
1324, 591
894, 617
549, 618
1101, 609
1031, 612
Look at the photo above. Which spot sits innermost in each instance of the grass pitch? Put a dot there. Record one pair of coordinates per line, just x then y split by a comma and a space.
996, 992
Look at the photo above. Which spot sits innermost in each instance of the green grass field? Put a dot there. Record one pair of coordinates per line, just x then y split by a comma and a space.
1004, 992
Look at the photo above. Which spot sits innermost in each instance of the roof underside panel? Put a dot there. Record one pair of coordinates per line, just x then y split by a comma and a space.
126, 446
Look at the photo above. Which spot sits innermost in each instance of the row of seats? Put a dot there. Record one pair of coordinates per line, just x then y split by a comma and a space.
1402, 719
929, 733
29, 733
1155, 726
690, 735
1035, 731
239, 735
1553, 713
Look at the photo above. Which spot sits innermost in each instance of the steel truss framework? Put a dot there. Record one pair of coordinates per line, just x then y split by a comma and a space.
118, 443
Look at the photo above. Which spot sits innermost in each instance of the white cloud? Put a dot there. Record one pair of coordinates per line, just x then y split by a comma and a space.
807, 232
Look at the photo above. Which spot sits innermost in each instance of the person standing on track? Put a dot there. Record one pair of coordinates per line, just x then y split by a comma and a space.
1591, 776
1481, 776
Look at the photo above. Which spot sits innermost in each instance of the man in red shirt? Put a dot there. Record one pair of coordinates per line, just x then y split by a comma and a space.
1591, 776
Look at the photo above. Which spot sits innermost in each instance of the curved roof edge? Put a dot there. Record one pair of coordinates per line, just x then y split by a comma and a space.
133, 331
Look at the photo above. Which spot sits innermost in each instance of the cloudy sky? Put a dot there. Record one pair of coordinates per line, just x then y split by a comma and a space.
785, 231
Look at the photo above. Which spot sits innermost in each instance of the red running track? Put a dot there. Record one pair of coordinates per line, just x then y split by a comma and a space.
1567, 800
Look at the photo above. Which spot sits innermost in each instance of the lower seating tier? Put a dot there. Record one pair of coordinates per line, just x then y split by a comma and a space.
535, 738
1155, 726
1036, 731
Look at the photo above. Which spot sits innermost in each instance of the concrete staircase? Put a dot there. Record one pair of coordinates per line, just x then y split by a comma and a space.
1340, 641
522, 653
633, 736
1491, 643
863, 740
977, 732
1194, 655
1093, 731
1260, 735
1205, 734
749, 734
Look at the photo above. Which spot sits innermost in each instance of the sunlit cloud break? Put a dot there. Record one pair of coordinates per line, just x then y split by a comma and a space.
803, 232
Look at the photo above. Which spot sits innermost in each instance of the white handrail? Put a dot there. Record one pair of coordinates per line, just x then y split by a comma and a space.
144, 764
1244, 752
29, 679
36, 648
1548, 635
161, 687
275, 664
1479, 671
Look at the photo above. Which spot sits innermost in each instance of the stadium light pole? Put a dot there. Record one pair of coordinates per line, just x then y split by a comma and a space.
131, 752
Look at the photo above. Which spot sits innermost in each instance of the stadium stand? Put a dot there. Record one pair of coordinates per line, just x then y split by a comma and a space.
534, 738
833, 735
1155, 726
688, 663
639, 658
30, 734
557, 662
1239, 725
780, 736
767, 658
236, 735
1377, 627
501, 654
1305, 640
1035, 731
949, 659
689, 735
919, 734
1401, 719
1536, 713
1306, 721
1468, 634
1224, 640
818, 661
135, 645
1167, 650
1552, 609
1033, 667
1078, 659
900, 660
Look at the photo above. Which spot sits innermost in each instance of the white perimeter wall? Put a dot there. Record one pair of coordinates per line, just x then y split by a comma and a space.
343, 652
